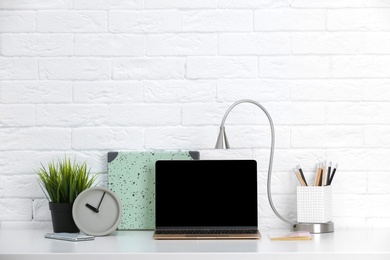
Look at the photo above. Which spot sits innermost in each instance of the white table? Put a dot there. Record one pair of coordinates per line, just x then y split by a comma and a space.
344, 244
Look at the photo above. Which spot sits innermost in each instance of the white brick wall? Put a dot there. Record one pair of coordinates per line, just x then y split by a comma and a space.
86, 77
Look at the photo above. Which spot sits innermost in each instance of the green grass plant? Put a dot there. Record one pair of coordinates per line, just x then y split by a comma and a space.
64, 180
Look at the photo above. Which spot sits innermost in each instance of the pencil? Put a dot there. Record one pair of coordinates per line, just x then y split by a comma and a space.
323, 183
303, 176
299, 177
317, 176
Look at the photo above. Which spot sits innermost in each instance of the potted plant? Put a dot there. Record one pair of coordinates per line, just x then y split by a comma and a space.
62, 181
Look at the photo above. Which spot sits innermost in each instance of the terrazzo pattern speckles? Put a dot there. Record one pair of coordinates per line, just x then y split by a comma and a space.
131, 175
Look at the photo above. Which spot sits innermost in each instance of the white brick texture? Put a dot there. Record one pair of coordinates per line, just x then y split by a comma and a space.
17, 21
181, 44
289, 20
71, 21
37, 44
109, 45
148, 68
144, 21
74, 69
221, 67
217, 21
82, 77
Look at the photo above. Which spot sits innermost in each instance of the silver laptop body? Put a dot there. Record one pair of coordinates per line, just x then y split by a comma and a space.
206, 199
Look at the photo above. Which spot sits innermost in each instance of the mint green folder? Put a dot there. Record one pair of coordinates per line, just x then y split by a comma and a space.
131, 175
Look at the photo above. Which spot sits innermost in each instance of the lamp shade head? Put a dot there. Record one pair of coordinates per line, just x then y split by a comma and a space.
222, 141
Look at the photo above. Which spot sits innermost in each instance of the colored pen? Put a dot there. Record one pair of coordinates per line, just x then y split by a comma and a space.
329, 173
333, 173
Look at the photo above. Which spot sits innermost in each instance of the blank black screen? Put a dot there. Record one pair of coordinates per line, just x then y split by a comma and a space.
204, 193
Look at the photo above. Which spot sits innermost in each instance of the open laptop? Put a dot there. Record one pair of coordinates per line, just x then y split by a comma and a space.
206, 199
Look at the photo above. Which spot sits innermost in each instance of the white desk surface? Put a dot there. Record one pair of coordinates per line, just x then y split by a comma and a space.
356, 244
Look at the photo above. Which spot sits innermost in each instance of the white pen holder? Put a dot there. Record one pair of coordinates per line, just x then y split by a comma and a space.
314, 204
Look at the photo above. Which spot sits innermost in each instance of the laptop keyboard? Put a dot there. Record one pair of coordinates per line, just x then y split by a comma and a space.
206, 231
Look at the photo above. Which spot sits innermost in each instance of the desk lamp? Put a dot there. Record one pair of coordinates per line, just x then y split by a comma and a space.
222, 143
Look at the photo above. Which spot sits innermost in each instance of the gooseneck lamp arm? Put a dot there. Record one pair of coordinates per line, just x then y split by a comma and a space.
222, 143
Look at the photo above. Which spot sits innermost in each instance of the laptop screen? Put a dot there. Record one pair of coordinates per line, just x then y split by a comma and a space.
206, 193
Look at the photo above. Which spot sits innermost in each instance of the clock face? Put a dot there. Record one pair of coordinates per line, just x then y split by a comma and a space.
97, 211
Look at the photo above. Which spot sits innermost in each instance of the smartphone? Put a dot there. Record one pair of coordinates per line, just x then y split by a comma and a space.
69, 236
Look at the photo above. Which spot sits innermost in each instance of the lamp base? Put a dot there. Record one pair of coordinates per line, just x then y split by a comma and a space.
315, 228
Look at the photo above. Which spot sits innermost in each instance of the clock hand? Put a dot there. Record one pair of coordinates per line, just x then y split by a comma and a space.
92, 208
101, 201
96, 210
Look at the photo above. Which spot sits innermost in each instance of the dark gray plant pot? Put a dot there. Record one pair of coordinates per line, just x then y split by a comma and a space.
61, 217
